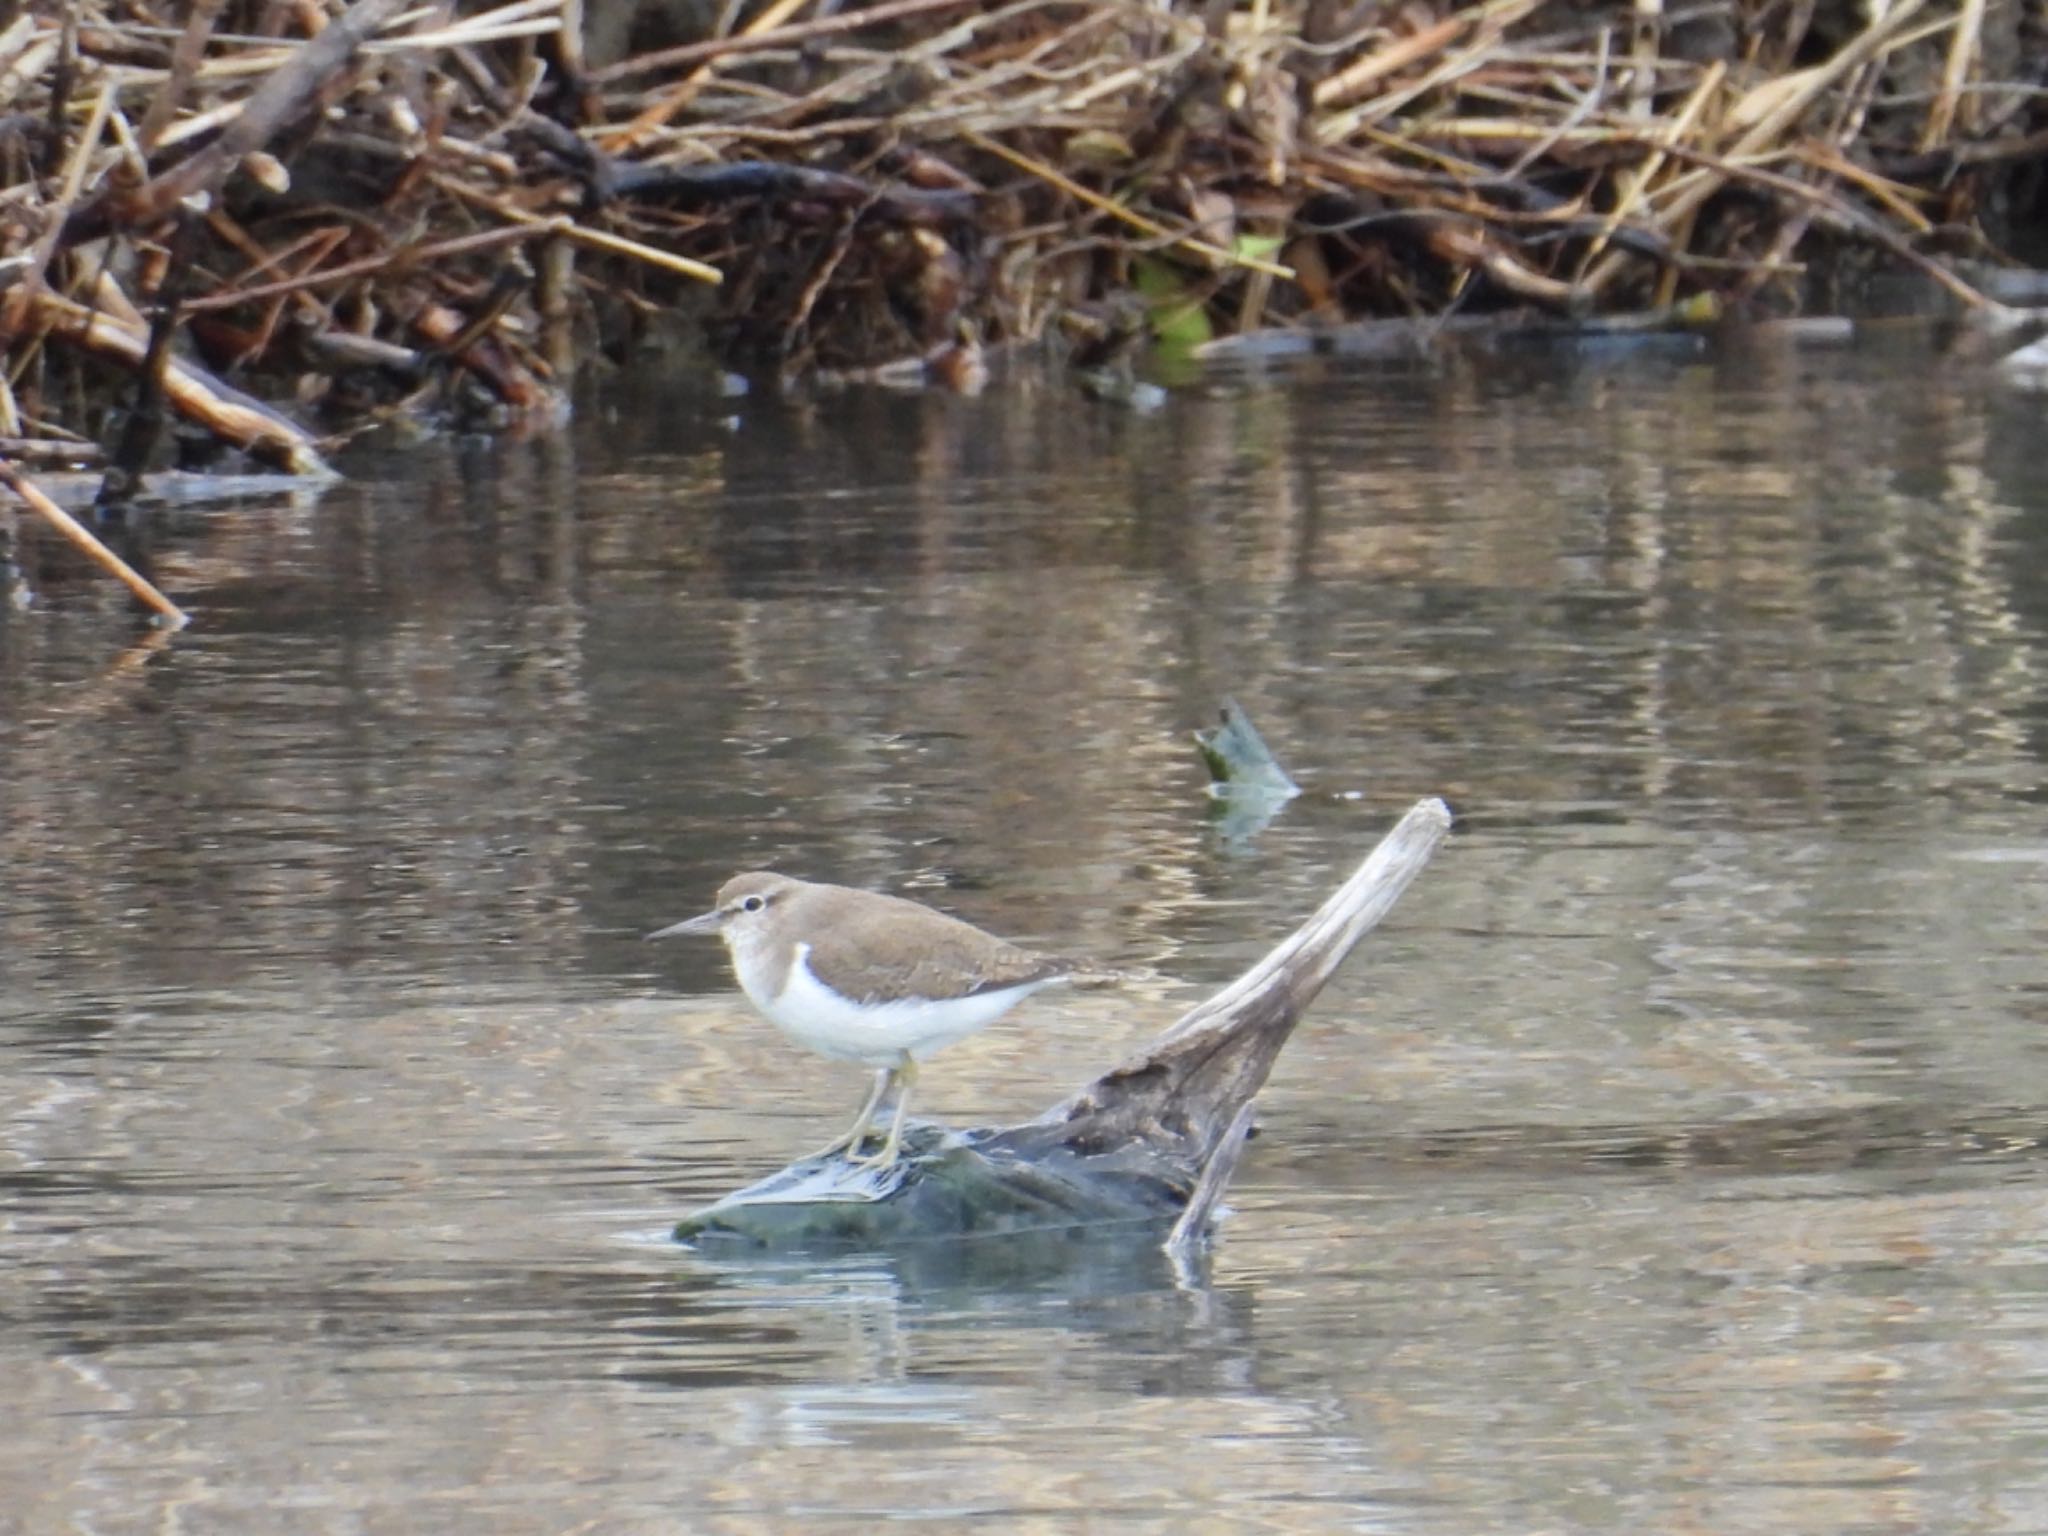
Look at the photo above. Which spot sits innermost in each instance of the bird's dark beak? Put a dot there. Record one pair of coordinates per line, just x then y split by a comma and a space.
708, 922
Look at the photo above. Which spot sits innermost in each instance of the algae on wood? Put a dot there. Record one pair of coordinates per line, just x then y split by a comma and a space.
1239, 761
1247, 785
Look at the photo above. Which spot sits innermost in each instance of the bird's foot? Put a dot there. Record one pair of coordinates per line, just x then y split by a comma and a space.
877, 1160
852, 1141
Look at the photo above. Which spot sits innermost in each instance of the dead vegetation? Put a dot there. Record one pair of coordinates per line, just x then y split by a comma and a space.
351, 209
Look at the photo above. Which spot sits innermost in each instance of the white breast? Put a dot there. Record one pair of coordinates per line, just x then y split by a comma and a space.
879, 1034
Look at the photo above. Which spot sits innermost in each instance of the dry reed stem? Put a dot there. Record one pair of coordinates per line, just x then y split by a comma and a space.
1964, 47
26, 66
653, 256
1589, 103
14, 37
1352, 82
1847, 218
1636, 181
186, 57
1560, 153
537, 226
109, 298
402, 259
1645, 53
1487, 24
1116, 210
74, 182
1769, 110
1830, 161
172, 615
282, 96
780, 37
679, 96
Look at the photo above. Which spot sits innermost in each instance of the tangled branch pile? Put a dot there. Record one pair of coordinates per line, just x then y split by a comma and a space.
355, 204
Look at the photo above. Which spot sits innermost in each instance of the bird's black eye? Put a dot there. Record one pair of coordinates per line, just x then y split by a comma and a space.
753, 903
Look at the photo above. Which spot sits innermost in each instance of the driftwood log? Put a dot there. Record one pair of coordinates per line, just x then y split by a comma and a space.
1150, 1144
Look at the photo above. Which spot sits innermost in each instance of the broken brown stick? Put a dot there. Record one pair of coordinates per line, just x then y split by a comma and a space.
186, 56
190, 389
390, 262
96, 550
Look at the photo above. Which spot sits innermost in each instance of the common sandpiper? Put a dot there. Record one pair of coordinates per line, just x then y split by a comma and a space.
859, 976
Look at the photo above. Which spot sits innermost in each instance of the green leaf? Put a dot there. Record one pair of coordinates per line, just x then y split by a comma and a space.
1176, 311
1258, 247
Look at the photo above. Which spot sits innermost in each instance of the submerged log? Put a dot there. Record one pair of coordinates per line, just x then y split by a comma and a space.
1149, 1144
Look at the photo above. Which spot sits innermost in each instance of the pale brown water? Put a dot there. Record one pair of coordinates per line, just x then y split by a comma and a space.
1670, 1161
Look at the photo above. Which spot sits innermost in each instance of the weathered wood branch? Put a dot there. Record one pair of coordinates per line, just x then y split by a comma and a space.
1180, 1093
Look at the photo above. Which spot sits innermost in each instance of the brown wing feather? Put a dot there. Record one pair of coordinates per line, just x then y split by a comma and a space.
897, 948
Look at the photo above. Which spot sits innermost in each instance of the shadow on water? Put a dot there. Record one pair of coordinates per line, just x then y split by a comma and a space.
1108, 1294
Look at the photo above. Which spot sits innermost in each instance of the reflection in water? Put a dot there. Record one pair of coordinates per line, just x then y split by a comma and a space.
1672, 1158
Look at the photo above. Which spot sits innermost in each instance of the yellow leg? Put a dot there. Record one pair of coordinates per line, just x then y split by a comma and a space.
906, 1079
858, 1131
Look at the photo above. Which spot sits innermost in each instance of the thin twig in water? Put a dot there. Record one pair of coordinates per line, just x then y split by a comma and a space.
90, 542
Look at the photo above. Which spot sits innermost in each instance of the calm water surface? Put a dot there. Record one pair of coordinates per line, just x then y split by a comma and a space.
1670, 1160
